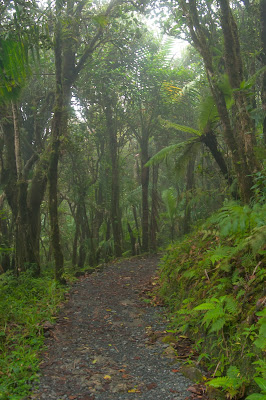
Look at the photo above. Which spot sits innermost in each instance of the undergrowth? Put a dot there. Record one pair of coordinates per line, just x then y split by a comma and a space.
25, 304
213, 284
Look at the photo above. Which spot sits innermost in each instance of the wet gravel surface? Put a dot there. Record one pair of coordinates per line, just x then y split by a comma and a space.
101, 347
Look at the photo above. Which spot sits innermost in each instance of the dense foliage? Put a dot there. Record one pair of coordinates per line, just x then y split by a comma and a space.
26, 304
110, 146
213, 283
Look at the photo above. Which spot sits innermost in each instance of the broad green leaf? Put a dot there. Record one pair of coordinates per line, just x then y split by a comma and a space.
256, 396
261, 383
205, 306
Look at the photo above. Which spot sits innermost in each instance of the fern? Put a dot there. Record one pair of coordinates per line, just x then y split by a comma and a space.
204, 307
169, 150
218, 325
222, 381
213, 315
207, 112
257, 239
231, 305
231, 383
182, 128
219, 253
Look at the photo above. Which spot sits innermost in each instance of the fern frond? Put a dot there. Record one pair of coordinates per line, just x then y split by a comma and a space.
233, 372
257, 239
204, 307
177, 127
208, 113
169, 150
231, 305
218, 325
219, 253
190, 151
213, 315
222, 381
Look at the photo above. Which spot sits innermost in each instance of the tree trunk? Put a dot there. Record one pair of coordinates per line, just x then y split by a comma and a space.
132, 239
137, 227
154, 208
210, 140
145, 193
4, 237
189, 189
115, 185
239, 138
263, 59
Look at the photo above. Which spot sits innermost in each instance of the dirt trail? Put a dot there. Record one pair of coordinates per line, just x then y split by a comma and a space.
101, 347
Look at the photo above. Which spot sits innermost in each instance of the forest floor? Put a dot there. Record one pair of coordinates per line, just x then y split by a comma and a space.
106, 342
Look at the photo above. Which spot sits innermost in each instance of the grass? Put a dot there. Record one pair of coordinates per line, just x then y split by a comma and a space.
25, 304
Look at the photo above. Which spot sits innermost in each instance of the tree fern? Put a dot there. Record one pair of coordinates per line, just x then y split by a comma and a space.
182, 128
169, 150
208, 113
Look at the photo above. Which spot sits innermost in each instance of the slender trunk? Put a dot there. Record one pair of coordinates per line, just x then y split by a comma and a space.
189, 189
263, 58
154, 208
17, 141
132, 239
53, 207
145, 193
57, 128
210, 140
136, 224
76, 237
115, 186
21, 258
4, 236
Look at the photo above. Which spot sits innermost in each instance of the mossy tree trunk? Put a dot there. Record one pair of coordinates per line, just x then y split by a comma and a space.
239, 133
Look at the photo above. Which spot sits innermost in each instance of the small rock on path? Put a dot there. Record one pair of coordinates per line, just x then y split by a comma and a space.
99, 348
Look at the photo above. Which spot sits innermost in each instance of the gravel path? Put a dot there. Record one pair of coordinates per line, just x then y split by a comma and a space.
101, 347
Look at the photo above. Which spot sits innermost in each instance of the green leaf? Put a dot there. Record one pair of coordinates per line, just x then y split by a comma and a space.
222, 381
218, 325
256, 396
178, 127
169, 150
204, 307
261, 383
102, 20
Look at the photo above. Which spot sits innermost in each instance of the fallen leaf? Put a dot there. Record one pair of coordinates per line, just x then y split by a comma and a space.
94, 361
134, 391
107, 377
192, 390
175, 370
151, 386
